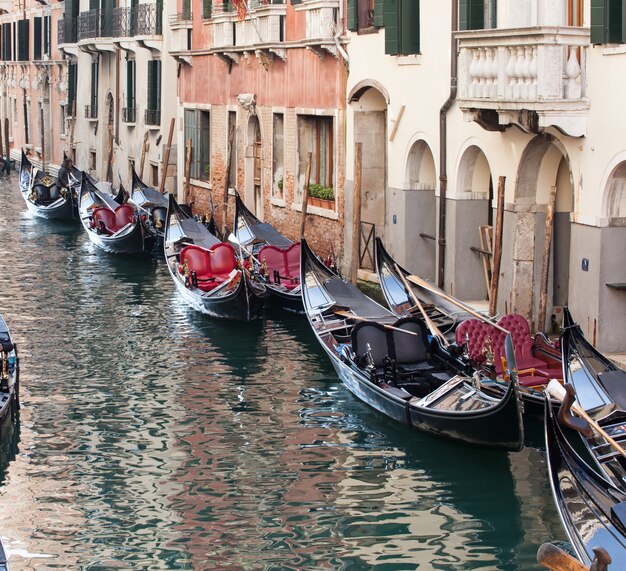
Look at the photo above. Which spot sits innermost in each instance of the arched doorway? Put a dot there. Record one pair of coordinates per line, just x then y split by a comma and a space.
254, 170
469, 227
544, 165
369, 106
421, 211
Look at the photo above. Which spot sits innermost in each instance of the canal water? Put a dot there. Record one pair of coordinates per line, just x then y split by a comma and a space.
152, 437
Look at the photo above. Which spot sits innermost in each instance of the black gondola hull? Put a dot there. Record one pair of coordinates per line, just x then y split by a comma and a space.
65, 208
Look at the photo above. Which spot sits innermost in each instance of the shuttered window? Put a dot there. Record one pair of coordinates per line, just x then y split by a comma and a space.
130, 83
197, 128
352, 15
154, 85
402, 27
364, 14
36, 38
72, 77
206, 9
94, 88
607, 21
471, 14
7, 43
46, 35
23, 42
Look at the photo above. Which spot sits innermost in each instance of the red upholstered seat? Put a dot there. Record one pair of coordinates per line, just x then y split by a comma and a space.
282, 261
104, 216
212, 266
113, 221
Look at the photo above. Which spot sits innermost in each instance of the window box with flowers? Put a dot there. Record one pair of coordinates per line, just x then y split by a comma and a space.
321, 196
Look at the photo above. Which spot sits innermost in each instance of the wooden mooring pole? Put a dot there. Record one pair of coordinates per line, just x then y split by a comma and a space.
229, 161
166, 162
305, 193
497, 248
545, 264
144, 149
356, 212
7, 144
187, 170
43, 140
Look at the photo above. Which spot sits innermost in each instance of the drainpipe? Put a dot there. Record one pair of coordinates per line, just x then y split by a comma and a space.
443, 142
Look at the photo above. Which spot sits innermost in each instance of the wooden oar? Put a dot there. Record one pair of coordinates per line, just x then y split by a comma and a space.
429, 322
557, 391
422, 283
350, 315
235, 240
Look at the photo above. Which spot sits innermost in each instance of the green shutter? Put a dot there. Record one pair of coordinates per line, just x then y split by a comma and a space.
615, 23
130, 84
151, 102
294, 2
378, 13
471, 14
106, 18
36, 38
71, 88
158, 84
46, 35
94, 4
410, 27
391, 18
353, 19
206, 9
94, 88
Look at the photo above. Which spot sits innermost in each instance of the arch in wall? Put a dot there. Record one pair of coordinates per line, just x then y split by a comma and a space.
368, 102
544, 164
614, 195
420, 182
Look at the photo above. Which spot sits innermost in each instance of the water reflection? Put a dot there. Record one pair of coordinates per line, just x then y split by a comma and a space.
152, 437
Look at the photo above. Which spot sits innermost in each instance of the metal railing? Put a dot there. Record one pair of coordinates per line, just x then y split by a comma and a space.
140, 20
88, 24
367, 242
91, 111
146, 20
153, 117
121, 22
129, 114
67, 31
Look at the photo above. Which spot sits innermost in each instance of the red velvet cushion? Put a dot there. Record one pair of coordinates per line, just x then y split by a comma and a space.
104, 215
285, 261
124, 214
197, 260
222, 259
292, 254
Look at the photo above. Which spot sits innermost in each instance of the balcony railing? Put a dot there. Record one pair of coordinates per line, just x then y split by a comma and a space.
541, 69
153, 117
146, 20
121, 22
321, 21
91, 111
129, 114
67, 31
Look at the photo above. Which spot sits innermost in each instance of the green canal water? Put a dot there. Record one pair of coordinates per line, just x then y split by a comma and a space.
153, 437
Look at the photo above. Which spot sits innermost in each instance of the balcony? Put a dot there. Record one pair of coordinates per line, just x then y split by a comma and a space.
67, 31
153, 117
530, 77
91, 112
129, 114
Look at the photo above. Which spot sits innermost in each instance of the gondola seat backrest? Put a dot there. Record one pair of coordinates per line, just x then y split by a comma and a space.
375, 335
476, 333
124, 214
212, 267
55, 193
104, 216
410, 348
282, 262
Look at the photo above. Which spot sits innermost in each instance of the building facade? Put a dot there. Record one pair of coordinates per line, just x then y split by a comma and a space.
275, 80
468, 92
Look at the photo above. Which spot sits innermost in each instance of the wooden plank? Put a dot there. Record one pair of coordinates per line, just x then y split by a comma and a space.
231, 142
305, 193
356, 212
545, 263
43, 139
167, 155
497, 248
187, 170
7, 144
144, 148
485, 244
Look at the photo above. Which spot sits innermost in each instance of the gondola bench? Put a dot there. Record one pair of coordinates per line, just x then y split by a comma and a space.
283, 265
106, 221
212, 267
532, 370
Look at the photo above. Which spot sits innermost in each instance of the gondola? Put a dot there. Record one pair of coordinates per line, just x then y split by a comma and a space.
390, 364
443, 313
152, 204
206, 272
276, 259
113, 227
42, 195
592, 510
9, 376
600, 388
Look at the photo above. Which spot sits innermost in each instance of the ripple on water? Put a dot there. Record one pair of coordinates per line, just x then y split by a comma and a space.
152, 437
